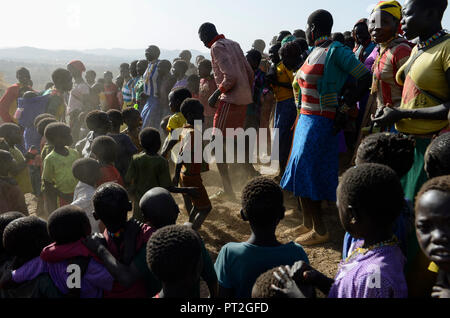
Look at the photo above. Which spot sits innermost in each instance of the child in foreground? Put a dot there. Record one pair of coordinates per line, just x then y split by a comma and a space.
433, 230
240, 264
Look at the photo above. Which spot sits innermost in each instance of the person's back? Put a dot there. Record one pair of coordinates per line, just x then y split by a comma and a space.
233, 67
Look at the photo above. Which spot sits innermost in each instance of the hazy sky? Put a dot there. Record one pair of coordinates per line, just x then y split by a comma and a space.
88, 24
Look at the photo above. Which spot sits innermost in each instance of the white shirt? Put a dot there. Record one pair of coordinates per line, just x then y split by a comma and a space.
82, 198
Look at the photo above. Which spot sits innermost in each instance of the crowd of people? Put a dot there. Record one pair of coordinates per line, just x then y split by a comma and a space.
375, 99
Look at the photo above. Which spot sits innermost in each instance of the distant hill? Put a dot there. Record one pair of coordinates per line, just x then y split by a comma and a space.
42, 63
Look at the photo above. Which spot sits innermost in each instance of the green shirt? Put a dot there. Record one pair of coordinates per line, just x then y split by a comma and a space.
147, 172
58, 170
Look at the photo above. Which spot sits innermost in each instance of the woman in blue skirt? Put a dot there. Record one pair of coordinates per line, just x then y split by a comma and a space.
312, 171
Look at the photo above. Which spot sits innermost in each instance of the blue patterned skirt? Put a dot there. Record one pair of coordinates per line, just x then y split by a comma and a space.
312, 170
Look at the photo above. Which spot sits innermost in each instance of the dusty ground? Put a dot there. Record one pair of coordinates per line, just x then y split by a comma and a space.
224, 225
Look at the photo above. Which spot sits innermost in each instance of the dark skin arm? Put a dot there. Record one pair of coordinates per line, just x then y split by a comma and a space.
387, 116
50, 188
169, 146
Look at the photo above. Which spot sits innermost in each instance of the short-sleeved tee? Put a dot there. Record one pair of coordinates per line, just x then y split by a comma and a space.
147, 172
283, 76
58, 170
192, 153
23, 177
240, 264
426, 74
177, 120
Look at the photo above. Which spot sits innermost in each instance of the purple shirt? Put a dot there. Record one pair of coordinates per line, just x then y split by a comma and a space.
94, 281
376, 274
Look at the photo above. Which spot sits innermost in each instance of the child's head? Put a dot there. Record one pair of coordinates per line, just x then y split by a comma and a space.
290, 54
5, 219
43, 123
193, 83
299, 34
393, 150
179, 69
108, 77
99, 122
370, 197
86, 170
254, 59
105, 149
133, 69
186, 56
263, 286
177, 97
150, 140
274, 55
174, 254
24, 239
159, 208
437, 157
433, 221
62, 79
132, 118
111, 204
90, 77
141, 67
48, 86
339, 37
152, 53
124, 70
204, 68
262, 203
58, 135
282, 35
192, 110
164, 67
7, 162
68, 224
116, 119
12, 133
40, 117
23, 76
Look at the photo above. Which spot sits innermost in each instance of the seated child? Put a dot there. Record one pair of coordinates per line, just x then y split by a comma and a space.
66, 227
148, 170
132, 118
23, 240
437, 157
5, 219
87, 172
160, 210
433, 231
57, 178
13, 136
188, 170
238, 265
174, 256
125, 147
207, 88
104, 148
125, 240
11, 197
99, 124
370, 198
177, 120
397, 152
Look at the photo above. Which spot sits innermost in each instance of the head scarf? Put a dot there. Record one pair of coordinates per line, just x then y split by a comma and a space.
287, 39
392, 7
78, 65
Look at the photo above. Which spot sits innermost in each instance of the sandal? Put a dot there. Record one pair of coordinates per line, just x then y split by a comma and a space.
312, 238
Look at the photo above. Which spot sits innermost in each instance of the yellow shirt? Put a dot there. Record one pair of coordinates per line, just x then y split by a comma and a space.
428, 74
176, 121
283, 76
23, 178
433, 267
58, 170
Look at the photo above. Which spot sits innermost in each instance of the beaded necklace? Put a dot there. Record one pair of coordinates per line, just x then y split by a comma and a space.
321, 40
432, 39
391, 242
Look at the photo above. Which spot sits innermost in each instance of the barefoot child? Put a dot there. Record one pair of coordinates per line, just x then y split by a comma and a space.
58, 181
188, 170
